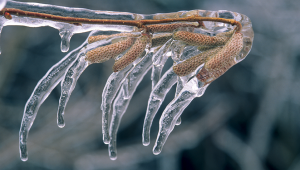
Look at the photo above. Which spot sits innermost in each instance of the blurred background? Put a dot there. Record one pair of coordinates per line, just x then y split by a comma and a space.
248, 119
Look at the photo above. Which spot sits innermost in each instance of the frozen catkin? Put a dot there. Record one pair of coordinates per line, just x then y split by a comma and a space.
104, 53
95, 38
160, 39
196, 39
222, 61
133, 53
169, 27
191, 64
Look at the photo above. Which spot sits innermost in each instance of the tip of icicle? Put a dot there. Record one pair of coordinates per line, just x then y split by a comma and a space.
106, 139
113, 156
146, 142
24, 159
61, 125
23, 151
156, 151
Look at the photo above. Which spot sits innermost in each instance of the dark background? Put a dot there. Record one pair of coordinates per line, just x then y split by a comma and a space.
248, 119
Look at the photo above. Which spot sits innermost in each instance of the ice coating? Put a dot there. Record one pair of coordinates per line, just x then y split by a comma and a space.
123, 99
192, 89
122, 84
65, 30
68, 85
159, 59
195, 87
110, 90
156, 98
39, 95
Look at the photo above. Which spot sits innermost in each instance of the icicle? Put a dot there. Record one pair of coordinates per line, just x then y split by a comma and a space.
68, 85
40, 93
110, 90
126, 88
156, 98
181, 81
192, 89
65, 36
159, 59
121, 102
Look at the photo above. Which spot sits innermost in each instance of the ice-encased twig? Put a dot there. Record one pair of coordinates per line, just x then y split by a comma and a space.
181, 81
123, 99
192, 89
73, 73
110, 90
178, 52
115, 81
66, 30
159, 59
39, 95
68, 85
156, 98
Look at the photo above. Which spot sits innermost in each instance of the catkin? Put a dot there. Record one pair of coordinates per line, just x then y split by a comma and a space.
223, 60
168, 27
197, 39
132, 54
160, 39
95, 38
104, 53
191, 64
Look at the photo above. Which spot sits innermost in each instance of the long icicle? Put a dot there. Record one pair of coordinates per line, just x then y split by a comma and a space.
39, 95
68, 85
156, 98
123, 99
175, 109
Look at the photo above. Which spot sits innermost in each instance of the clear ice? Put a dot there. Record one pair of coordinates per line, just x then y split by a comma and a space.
121, 85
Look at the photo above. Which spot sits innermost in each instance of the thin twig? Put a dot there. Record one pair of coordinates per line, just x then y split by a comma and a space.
7, 12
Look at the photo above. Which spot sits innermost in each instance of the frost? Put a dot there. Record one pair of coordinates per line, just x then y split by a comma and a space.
151, 52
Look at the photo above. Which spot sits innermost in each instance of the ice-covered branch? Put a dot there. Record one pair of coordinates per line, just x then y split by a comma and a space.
202, 44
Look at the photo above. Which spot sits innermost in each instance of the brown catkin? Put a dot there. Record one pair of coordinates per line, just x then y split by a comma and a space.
204, 48
104, 53
223, 60
168, 27
160, 39
95, 38
191, 64
133, 53
197, 39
